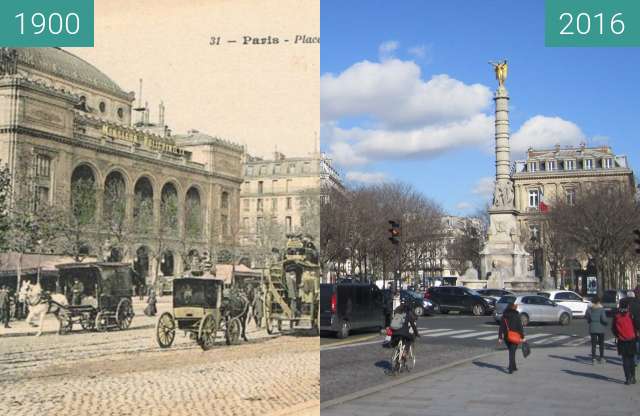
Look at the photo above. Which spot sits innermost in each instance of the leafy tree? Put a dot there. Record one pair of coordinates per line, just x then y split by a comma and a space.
78, 225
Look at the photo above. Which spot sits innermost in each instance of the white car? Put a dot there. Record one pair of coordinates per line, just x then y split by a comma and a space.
571, 300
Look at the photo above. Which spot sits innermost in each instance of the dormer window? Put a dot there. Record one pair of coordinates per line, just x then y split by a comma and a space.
569, 164
607, 163
551, 165
588, 164
533, 166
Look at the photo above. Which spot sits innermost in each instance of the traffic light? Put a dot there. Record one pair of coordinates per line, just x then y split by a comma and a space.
637, 240
395, 232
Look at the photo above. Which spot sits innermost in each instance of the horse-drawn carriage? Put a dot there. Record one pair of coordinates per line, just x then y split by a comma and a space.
201, 309
293, 286
105, 301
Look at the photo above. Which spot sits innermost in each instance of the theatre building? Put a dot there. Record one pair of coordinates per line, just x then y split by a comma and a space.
62, 121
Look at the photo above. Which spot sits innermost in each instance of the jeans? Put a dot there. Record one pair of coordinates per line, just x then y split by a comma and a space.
597, 339
629, 366
512, 355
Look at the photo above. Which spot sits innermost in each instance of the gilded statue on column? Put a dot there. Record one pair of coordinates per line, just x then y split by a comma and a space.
500, 69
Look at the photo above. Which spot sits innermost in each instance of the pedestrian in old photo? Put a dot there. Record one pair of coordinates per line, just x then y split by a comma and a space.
597, 320
511, 333
625, 330
151, 310
76, 292
5, 305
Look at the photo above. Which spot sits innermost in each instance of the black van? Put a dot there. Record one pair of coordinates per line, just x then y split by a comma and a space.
348, 306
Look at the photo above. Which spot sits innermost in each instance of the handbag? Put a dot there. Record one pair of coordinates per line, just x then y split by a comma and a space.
526, 349
512, 336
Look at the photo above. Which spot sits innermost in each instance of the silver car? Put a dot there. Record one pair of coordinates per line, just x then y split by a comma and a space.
534, 308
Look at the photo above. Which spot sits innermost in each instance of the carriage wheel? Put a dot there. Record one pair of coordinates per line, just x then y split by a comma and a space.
165, 330
207, 332
269, 325
66, 324
87, 322
100, 322
232, 332
124, 313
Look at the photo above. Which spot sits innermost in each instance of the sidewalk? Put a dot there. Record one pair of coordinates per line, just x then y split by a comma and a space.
551, 381
50, 324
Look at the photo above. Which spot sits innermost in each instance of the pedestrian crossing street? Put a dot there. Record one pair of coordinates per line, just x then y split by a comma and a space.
538, 339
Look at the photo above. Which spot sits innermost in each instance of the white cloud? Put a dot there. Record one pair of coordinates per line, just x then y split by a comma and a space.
386, 49
418, 51
394, 93
366, 177
356, 146
542, 132
484, 186
464, 206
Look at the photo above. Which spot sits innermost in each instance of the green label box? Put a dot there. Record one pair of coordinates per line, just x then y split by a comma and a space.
40, 23
592, 22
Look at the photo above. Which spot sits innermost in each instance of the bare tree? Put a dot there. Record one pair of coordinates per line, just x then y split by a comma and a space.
465, 245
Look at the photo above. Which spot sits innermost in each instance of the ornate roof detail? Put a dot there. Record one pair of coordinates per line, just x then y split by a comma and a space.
62, 64
196, 138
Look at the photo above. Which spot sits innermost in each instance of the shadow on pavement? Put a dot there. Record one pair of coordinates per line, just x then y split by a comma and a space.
488, 365
594, 376
383, 364
582, 359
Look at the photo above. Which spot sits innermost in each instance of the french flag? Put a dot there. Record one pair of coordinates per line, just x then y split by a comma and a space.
543, 206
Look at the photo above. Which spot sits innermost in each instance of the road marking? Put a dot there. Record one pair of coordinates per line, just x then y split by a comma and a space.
551, 340
475, 334
449, 333
577, 342
430, 331
352, 340
490, 337
359, 344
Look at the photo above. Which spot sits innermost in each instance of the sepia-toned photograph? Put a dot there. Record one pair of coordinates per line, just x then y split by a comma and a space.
159, 214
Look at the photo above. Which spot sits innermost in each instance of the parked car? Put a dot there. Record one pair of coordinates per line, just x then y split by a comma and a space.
419, 304
571, 300
611, 300
345, 307
457, 298
494, 293
534, 308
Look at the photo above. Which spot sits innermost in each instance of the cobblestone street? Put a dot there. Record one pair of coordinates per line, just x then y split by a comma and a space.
126, 373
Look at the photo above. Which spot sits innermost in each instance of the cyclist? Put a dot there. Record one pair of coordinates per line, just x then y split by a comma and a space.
403, 318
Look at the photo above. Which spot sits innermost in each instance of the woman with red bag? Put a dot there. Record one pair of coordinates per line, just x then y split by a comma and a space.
512, 333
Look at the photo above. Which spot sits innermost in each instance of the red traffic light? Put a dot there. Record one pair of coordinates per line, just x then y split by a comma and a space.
395, 232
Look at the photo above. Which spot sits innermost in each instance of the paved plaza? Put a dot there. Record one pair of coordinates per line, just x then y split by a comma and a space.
126, 373
558, 381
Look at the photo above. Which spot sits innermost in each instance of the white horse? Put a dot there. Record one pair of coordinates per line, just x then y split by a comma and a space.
40, 304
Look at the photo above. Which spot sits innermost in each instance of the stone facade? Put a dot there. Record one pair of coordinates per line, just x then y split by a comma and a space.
62, 118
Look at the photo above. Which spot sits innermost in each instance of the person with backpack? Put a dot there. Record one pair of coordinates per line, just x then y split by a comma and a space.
597, 321
403, 318
632, 302
512, 333
624, 329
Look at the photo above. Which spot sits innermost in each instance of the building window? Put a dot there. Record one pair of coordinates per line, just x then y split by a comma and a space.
224, 223
245, 204
245, 223
274, 204
288, 225
569, 164
291, 168
120, 113
42, 196
263, 170
259, 223
260, 205
588, 163
224, 200
289, 203
551, 165
274, 186
288, 186
534, 198
607, 163
306, 168
103, 106
260, 187
43, 166
571, 196
533, 166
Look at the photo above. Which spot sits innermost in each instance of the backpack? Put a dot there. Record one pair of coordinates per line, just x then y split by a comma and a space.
398, 321
624, 327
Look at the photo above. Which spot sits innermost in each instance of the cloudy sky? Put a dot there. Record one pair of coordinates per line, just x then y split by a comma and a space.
406, 93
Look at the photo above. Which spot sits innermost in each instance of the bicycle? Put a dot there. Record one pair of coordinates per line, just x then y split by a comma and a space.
402, 360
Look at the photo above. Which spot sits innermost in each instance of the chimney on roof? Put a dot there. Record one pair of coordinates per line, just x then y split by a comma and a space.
557, 147
145, 120
161, 114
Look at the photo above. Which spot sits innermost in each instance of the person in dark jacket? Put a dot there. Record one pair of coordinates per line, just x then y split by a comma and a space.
597, 321
409, 322
632, 302
626, 345
510, 321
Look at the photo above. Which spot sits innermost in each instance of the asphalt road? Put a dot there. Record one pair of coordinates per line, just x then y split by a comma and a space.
359, 362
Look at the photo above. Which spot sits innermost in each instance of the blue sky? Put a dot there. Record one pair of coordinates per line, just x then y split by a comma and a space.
406, 92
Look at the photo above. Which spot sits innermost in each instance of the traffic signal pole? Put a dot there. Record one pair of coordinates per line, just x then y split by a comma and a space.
396, 233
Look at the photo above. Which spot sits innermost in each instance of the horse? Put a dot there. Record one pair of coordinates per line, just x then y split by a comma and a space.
40, 303
236, 305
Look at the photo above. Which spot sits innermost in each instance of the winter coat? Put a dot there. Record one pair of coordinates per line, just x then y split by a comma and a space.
4, 299
511, 318
597, 319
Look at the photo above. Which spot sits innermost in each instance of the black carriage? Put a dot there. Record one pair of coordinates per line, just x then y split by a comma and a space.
105, 301
198, 310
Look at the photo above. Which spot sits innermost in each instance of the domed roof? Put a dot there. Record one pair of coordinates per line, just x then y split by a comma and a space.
63, 64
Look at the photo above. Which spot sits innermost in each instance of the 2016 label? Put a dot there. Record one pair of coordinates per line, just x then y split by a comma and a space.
582, 24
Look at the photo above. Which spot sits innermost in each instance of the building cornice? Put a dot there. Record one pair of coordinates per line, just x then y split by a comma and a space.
578, 174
